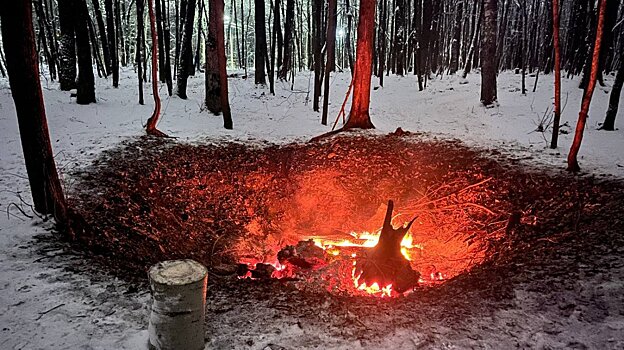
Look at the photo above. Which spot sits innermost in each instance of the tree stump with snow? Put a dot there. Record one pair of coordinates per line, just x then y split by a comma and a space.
178, 310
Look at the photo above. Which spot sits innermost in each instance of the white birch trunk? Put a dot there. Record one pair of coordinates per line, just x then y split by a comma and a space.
178, 309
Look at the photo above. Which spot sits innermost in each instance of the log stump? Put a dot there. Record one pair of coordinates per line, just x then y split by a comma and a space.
178, 310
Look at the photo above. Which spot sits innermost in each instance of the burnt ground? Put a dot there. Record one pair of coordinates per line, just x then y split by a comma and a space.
554, 280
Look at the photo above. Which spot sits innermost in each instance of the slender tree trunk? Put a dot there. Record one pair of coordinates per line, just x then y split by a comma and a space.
289, 44
86, 82
223, 83
274, 35
614, 98
348, 38
329, 64
153, 120
47, 39
197, 64
359, 116
67, 47
213, 86
473, 43
383, 28
261, 45
557, 109
102, 31
167, 46
112, 40
489, 66
161, 42
18, 39
243, 36
140, 8
186, 50
580, 126
95, 48
454, 65
120, 37
317, 8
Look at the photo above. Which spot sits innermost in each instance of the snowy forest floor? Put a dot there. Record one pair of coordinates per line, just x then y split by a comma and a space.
556, 284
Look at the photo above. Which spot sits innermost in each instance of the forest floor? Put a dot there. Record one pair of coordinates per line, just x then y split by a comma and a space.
556, 281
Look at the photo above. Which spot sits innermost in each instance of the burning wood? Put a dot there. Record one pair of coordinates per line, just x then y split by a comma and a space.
380, 262
384, 265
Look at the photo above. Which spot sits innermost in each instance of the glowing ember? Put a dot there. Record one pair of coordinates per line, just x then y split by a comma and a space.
367, 240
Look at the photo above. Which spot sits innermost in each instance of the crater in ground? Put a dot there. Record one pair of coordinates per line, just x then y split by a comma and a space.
150, 200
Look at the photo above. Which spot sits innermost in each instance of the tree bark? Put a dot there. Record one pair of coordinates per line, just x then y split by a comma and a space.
614, 98
557, 108
331, 46
153, 120
179, 305
213, 86
140, 8
186, 49
167, 47
580, 126
317, 44
225, 103
454, 64
112, 40
359, 116
18, 39
289, 44
86, 82
261, 44
103, 38
489, 66
67, 47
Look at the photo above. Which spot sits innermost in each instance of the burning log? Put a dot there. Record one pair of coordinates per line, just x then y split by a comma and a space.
178, 309
384, 265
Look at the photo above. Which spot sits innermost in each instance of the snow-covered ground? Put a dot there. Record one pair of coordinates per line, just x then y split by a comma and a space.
46, 304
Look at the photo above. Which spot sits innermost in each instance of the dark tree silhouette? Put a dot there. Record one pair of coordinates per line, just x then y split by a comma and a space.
67, 45
261, 44
489, 62
185, 64
18, 39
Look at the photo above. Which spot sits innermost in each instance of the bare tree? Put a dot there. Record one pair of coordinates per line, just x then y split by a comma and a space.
153, 120
489, 66
67, 45
582, 119
18, 38
261, 44
185, 63
557, 109
331, 46
359, 116
85, 92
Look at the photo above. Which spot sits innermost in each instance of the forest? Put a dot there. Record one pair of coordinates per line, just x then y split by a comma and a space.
304, 174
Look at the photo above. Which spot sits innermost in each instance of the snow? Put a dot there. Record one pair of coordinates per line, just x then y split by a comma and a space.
49, 300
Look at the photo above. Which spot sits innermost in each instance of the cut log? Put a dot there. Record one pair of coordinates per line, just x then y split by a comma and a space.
178, 310
384, 264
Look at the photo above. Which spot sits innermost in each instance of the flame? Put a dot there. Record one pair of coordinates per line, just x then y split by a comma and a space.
365, 240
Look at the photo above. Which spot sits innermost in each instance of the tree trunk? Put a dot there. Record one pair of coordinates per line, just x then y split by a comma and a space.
489, 66
473, 43
179, 305
385, 265
86, 82
557, 109
18, 39
454, 64
102, 31
167, 47
213, 86
140, 8
67, 47
331, 46
288, 40
317, 45
359, 116
614, 98
348, 38
153, 120
261, 45
225, 103
46, 38
186, 49
580, 126
112, 40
